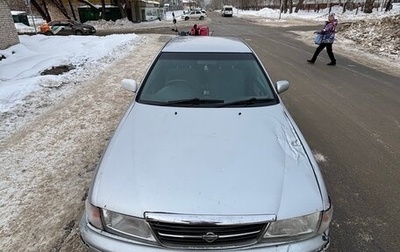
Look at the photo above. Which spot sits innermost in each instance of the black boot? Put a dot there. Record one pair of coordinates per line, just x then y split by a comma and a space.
332, 63
311, 61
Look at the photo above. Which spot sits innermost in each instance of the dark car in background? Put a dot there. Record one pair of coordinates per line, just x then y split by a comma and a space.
66, 27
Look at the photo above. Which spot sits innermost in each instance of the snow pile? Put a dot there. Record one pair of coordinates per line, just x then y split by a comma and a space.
126, 24
380, 37
26, 90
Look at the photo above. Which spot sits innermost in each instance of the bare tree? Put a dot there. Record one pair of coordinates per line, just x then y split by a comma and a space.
388, 5
123, 11
103, 9
60, 6
72, 9
247, 4
42, 9
299, 6
284, 6
201, 3
120, 4
369, 6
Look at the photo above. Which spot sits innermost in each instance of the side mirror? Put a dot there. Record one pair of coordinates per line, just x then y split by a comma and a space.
129, 85
282, 86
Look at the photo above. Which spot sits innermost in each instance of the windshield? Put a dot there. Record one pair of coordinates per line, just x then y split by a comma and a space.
206, 80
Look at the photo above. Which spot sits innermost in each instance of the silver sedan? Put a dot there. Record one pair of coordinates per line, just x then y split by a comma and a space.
207, 158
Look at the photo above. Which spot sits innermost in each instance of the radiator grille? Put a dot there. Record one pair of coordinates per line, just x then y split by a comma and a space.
206, 235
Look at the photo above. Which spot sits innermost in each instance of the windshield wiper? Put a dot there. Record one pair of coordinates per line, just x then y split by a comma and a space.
249, 102
193, 101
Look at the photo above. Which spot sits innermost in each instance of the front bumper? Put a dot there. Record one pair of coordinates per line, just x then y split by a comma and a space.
100, 241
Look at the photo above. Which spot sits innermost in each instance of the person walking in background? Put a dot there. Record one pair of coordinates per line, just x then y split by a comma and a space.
328, 36
195, 30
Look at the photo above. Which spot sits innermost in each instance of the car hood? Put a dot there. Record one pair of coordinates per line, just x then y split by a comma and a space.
221, 161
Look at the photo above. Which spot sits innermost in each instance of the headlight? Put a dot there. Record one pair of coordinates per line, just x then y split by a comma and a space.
294, 228
127, 226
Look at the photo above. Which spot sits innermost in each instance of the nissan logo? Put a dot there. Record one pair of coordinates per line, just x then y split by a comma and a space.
210, 237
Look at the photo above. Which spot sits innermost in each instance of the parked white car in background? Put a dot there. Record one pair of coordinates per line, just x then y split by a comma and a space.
207, 158
194, 14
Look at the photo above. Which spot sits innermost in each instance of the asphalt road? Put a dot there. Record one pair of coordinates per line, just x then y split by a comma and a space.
350, 114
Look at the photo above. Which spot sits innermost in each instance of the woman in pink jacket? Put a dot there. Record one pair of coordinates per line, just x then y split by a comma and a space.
328, 36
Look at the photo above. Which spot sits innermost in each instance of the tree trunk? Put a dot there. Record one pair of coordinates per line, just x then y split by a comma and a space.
299, 5
103, 10
72, 10
60, 6
285, 6
121, 8
42, 11
46, 9
388, 5
369, 6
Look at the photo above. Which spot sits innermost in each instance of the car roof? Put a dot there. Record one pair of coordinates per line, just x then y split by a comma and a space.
206, 44
64, 21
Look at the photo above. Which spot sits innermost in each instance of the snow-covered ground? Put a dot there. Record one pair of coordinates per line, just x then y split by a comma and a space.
24, 90
53, 128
